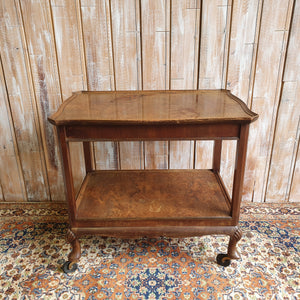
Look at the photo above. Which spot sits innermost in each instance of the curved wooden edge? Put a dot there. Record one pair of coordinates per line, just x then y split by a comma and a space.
254, 116
53, 118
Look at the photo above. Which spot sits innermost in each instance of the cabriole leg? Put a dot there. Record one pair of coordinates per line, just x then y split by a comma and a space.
71, 265
234, 238
232, 253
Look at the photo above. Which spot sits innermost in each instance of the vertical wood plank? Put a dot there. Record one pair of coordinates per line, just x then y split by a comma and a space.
22, 102
69, 46
42, 57
242, 42
245, 15
155, 27
126, 42
127, 61
11, 177
204, 154
275, 23
72, 70
286, 137
213, 56
99, 60
185, 21
213, 39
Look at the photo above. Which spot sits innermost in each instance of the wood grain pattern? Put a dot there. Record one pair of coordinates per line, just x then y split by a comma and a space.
274, 30
127, 61
154, 194
43, 65
213, 38
242, 44
155, 28
67, 25
185, 30
100, 66
286, 137
11, 176
22, 102
72, 70
126, 44
140, 107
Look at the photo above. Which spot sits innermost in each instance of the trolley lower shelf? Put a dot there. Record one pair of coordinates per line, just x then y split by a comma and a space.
121, 197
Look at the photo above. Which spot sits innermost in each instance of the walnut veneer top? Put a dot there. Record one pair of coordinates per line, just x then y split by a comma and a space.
151, 107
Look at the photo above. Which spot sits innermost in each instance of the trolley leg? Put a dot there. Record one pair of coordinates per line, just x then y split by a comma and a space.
71, 265
232, 253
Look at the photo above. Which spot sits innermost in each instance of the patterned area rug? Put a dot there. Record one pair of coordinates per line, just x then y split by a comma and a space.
33, 248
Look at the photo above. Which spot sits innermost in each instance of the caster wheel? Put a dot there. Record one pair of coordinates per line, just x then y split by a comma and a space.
223, 260
69, 267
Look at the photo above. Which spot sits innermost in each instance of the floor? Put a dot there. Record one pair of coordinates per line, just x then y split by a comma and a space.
33, 248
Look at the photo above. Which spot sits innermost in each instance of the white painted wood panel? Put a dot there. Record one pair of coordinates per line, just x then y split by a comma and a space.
268, 73
66, 18
49, 49
286, 137
22, 101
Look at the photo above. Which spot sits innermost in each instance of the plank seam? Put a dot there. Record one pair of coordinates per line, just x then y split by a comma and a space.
55, 49
141, 46
116, 145
170, 49
136, 47
198, 72
259, 14
167, 82
82, 46
199, 49
138, 65
293, 163
112, 86
170, 73
227, 44
195, 65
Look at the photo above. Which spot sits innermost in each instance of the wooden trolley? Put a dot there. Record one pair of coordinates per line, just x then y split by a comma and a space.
129, 203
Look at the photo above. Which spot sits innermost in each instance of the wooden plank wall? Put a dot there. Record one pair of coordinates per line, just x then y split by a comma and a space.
50, 48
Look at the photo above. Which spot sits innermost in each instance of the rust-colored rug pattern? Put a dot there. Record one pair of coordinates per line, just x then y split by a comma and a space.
33, 248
